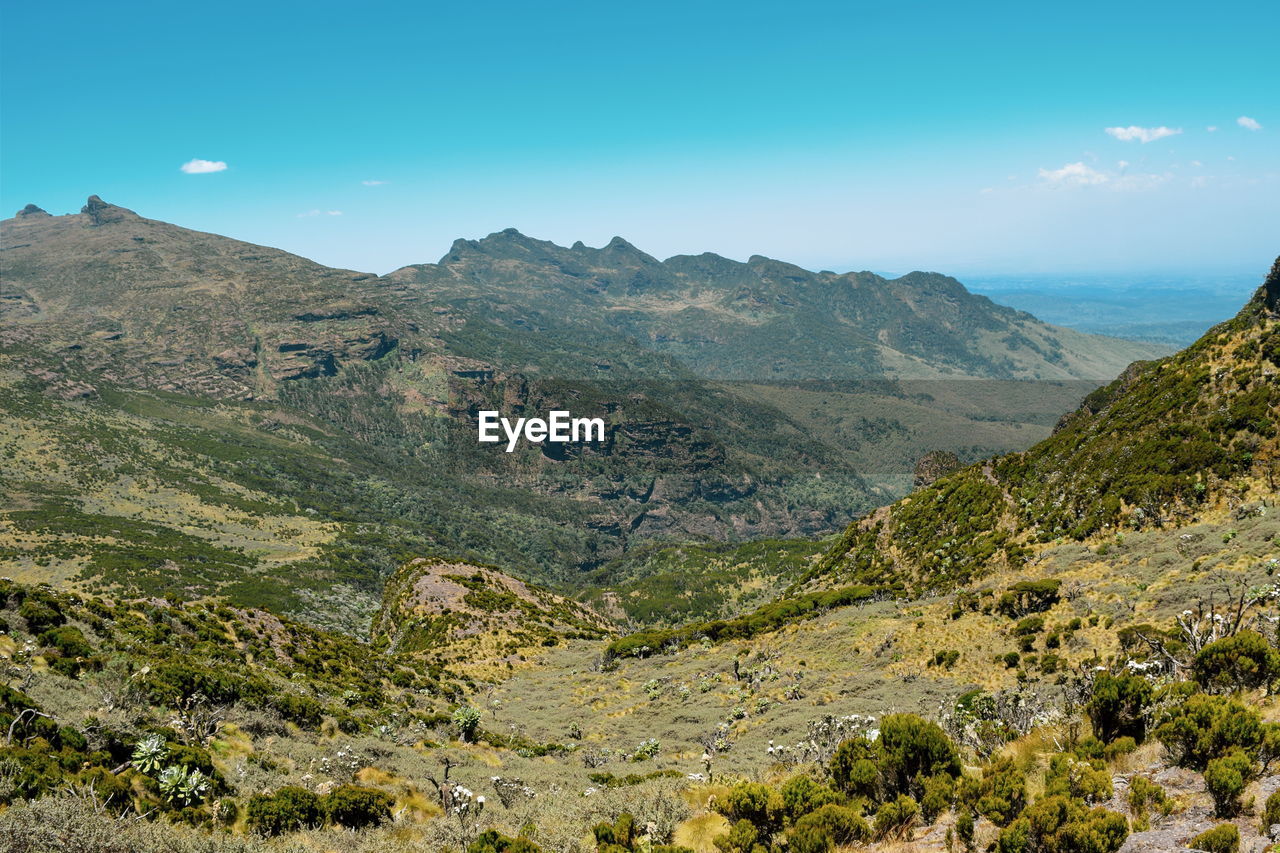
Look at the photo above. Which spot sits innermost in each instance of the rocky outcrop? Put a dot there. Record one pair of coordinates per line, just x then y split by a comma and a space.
102, 213
32, 210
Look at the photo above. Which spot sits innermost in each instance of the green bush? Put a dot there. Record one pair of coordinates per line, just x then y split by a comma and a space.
895, 818
826, 827
1078, 779
1144, 795
1203, 727
938, 793
855, 767
1118, 707
1059, 824
914, 749
1271, 813
1239, 662
741, 838
467, 721
356, 807
289, 809
801, 795
40, 616
1225, 779
759, 804
1000, 794
1221, 839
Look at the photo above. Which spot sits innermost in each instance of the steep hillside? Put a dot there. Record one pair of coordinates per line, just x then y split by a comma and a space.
1195, 436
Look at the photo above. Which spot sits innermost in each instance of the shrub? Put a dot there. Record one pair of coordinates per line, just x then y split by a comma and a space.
1118, 707
288, 809
914, 749
1078, 779
826, 827
1221, 839
1204, 727
1145, 795
751, 801
1030, 625
895, 818
1002, 791
939, 792
855, 768
741, 838
356, 807
1271, 813
40, 616
1059, 824
1239, 662
801, 795
466, 720
1225, 779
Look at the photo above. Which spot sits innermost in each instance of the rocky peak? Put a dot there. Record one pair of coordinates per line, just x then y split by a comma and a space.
1271, 288
33, 210
101, 213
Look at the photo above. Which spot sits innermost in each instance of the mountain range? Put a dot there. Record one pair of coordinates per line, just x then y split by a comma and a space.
743, 400
264, 593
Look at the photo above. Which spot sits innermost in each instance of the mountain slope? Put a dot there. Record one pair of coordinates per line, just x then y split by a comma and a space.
190, 414
759, 320
1189, 437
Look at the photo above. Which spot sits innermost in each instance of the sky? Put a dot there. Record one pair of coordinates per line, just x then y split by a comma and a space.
991, 138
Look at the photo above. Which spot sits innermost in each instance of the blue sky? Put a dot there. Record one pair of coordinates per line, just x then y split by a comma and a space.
968, 138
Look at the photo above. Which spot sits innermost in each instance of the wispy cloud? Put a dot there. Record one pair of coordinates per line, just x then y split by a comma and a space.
1248, 123
1133, 133
373, 183
203, 167
1073, 175
320, 213
1213, 128
1120, 179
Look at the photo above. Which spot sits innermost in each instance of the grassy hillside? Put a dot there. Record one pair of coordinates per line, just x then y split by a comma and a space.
1190, 437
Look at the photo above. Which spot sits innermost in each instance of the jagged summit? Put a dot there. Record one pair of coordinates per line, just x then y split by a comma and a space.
32, 210
102, 213
1270, 292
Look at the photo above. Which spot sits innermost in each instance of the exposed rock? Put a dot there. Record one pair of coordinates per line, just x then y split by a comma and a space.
102, 213
1271, 287
32, 210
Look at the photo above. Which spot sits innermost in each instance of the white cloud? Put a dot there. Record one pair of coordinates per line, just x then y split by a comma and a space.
1073, 175
1196, 163
203, 167
320, 213
373, 183
1133, 133
1248, 123
1122, 165
1213, 128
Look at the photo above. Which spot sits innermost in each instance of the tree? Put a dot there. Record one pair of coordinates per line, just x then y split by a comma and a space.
1118, 707
914, 749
